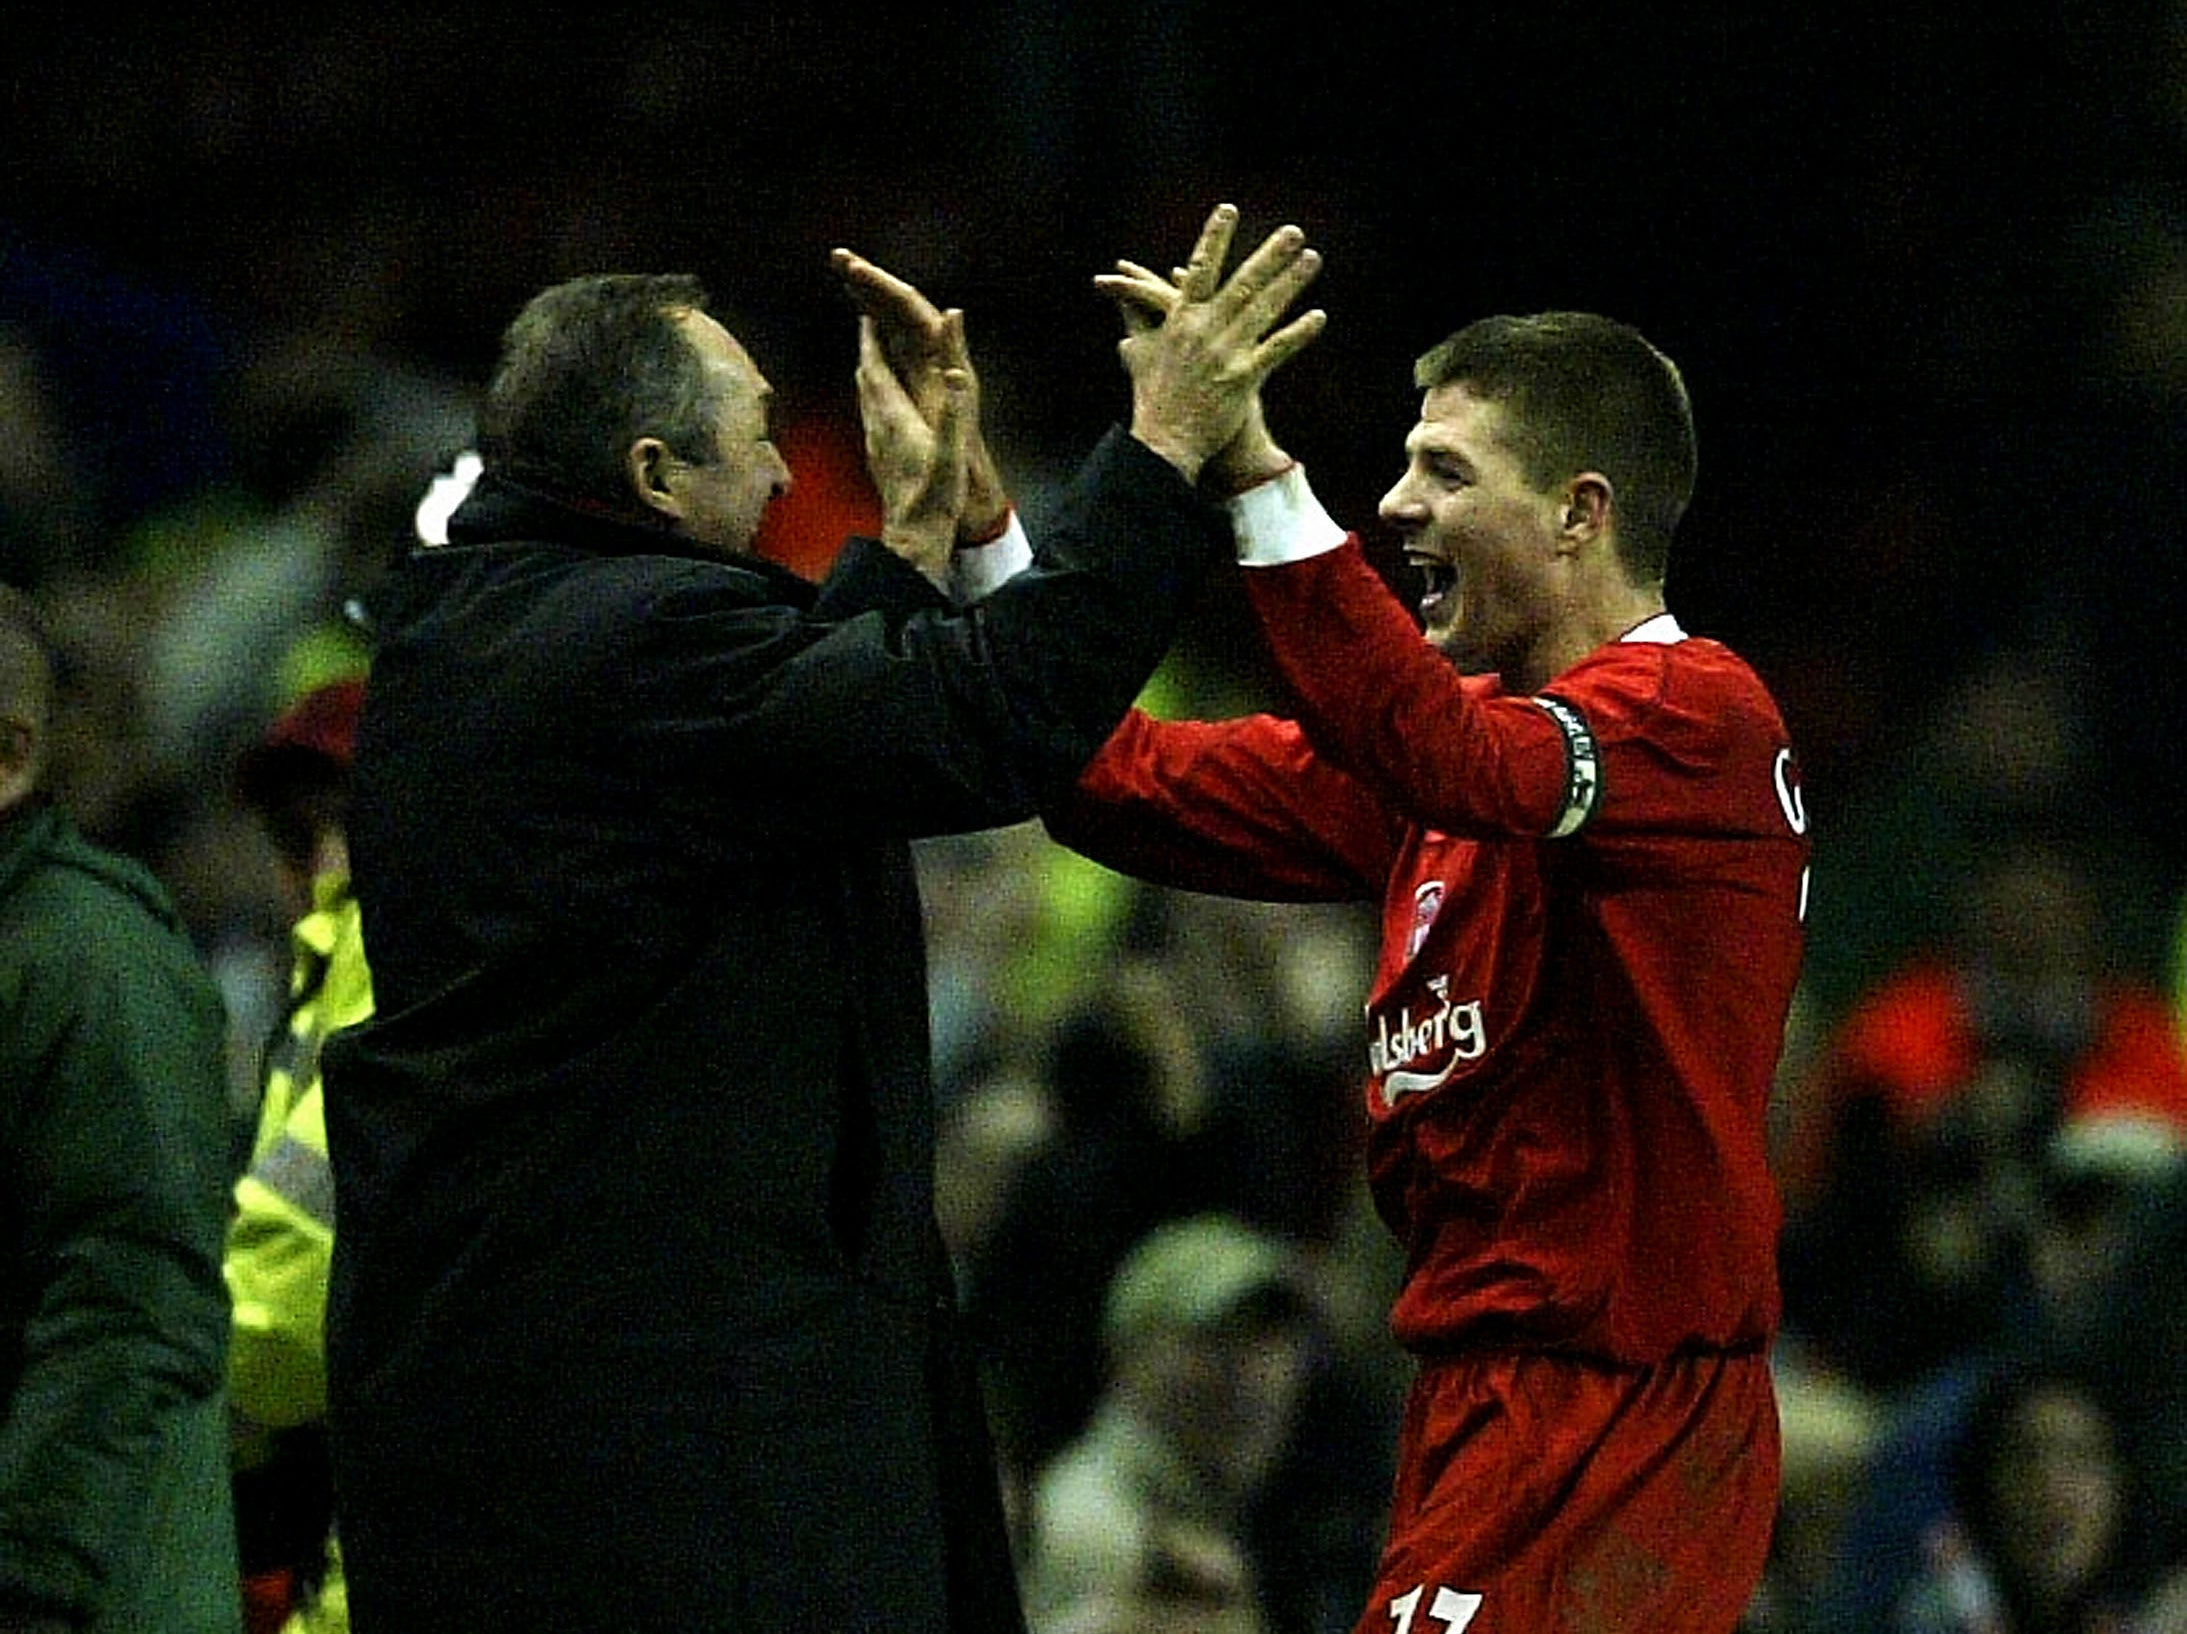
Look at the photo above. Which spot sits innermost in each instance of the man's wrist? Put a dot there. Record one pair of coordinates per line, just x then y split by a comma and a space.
1186, 460
923, 546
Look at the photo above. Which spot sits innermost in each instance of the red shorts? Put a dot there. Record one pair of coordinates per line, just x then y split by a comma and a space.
1545, 1495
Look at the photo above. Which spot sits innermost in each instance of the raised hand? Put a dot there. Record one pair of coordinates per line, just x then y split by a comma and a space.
1196, 371
1143, 300
915, 343
918, 462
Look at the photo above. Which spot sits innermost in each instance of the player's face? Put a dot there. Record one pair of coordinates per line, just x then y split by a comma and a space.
722, 500
1485, 538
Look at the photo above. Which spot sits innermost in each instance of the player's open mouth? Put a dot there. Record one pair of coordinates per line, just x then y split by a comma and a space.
1438, 581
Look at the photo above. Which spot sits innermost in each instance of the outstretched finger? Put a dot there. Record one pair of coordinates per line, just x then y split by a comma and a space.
942, 490
882, 294
878, 384
1265, 305
1275, 256
1142, 300
1148, 287
870, 361
1204, 269
1287, 342
951, 343
909, 325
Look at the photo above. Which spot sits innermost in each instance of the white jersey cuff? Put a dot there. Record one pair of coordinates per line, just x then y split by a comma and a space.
974, 570
1281, 521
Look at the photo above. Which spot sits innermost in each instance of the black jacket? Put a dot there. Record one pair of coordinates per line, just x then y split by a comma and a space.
639, 1317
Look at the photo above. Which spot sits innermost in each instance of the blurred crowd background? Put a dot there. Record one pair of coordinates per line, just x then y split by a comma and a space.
1927, 277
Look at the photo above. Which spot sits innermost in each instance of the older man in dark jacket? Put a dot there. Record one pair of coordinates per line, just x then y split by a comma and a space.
640, 1318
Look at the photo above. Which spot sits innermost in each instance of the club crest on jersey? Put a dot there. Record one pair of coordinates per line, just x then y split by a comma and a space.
1412, 1057
1426, 902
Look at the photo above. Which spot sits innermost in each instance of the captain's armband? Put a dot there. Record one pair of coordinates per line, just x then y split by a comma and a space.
1582, 767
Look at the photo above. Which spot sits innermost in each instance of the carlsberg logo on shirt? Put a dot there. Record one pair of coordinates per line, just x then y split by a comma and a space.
1457, 1029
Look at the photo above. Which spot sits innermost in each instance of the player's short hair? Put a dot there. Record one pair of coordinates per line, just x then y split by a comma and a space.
587, 368
1584, 393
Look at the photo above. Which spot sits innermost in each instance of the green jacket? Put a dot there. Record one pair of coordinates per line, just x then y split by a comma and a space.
114, 1150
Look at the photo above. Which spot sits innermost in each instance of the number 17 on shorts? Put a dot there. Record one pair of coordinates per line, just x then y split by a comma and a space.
1450, 1608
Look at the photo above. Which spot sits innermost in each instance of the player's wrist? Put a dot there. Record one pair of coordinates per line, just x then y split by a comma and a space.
1279, 521
1232, 479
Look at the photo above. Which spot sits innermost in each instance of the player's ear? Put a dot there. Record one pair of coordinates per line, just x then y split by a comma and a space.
1586, 513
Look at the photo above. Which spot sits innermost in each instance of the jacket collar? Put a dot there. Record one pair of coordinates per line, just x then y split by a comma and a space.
38, 834
500, 510
24, 834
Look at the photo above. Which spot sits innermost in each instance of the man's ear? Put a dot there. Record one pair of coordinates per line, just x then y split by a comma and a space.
651, 469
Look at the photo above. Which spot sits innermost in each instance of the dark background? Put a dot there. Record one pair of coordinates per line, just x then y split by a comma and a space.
1923, 265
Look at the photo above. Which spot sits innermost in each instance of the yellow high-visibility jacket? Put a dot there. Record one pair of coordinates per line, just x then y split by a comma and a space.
281, 1239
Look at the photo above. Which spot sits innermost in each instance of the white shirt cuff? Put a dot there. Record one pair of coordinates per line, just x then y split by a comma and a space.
974, 570
1280, 521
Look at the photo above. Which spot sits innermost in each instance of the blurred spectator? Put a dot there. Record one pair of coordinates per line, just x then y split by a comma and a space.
1185, 1597
1021, 933
1830, 1430
208, 599
2008, 749
2103, 1177
1276, 1133
42, 519
1318, 1520
130, 368
2176, 967
222, 600
1105, 1171
1208, 1336
332, 449
992, 1125
1911, 1174
2043, 1508
2135, 1343
114, 1504
281, 1236
1203, 1060
102, 765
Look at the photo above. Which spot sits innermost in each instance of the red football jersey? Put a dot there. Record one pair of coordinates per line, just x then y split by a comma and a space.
1591, 927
